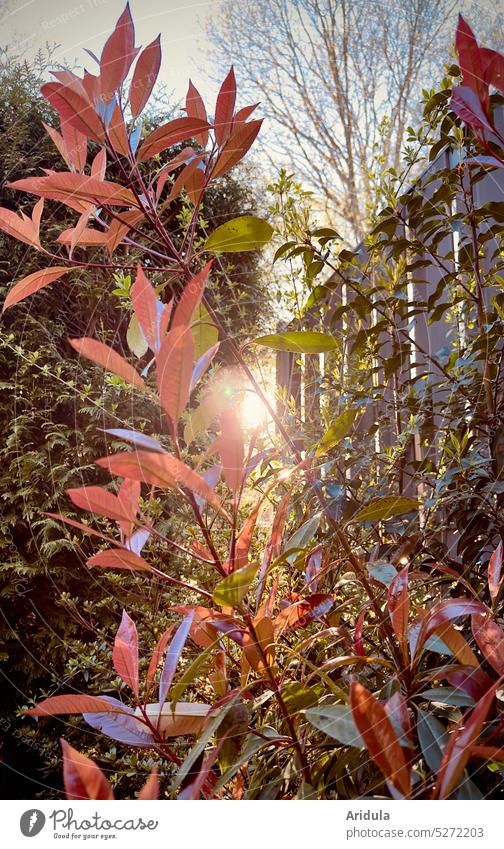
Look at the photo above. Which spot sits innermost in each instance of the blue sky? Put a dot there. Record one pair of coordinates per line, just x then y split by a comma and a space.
75, 24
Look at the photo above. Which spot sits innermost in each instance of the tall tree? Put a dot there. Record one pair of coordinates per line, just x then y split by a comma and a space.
339, 80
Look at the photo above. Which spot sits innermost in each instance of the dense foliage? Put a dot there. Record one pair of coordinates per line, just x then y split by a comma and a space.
317, 655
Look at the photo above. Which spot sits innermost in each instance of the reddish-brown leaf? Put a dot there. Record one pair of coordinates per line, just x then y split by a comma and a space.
245, 536
231, 450
150, 790
69, 703
33, 283
109, 359
161, 470
119, 558
444, 611
398, 606
380, 738
157, 654
117, 55
470, 680
470, 61
191, 297
125, 652
145, 76
458, 748
495, 573
303, 611
174, 366
83, 779
86, 238
224, 108
100, 501
76, 146
490, 638
178, 130
236, 147
120, 227
20, 227
118, 133
184, 178
145, 303
71, 188
195, 108
75, 110
259, 645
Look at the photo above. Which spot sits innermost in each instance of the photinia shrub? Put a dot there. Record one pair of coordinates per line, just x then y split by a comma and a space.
313, 669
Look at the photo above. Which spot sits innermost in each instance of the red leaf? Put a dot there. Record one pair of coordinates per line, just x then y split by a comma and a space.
490, 639
470, 61
85, 528
470, 680
120, 227
303, 611
87, 237
83, 779
76, 146
106, 357
21, 227
244, 113
119, 558
380, 738
493, 67
245, 537
465, 103
184, 178
458, 748
178, 130
191, 297
495, 573
68, 703
72, 189
397, 708
33, 283
100, 501
174, 366
161, 470
74, 109
231, 450
445, 611
117, 55
145, 76
125, 652
72, 146
398, 606
195, 108
357, 639
157, 655
259, 645
224, 108
150, 790
118, 133
236, 147
145, 304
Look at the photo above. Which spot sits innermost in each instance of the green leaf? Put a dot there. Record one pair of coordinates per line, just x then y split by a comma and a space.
337, 722
382, 572
432, 738
302, 537
178, 689
245, 233
448, 696
203, 739
204, 331
299, 342
298, 697
231, 591
385, 508
252, 745
337, 431
135, 338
